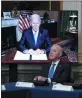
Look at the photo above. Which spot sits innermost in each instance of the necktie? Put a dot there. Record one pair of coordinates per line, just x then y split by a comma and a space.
35, 38
51, 72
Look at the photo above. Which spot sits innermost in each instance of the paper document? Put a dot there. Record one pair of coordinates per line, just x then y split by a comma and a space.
62, 87
39, 57
24, 84
21, 56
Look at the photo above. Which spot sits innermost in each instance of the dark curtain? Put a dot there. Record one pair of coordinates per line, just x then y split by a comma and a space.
63, 21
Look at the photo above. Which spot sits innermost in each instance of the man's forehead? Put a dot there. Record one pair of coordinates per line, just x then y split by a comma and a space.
35, 16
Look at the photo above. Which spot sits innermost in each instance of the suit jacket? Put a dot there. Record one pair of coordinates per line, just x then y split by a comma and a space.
27, 40
62, 73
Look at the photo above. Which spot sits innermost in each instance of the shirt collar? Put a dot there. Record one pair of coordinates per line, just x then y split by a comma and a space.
56, 62
34, 31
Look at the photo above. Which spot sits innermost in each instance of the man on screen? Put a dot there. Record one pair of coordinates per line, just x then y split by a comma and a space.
35, 39
57, 71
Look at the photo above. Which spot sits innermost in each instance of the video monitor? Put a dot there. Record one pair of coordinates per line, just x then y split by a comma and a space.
61, 28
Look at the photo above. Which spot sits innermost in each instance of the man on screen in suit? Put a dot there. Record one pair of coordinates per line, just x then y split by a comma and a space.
35, 38
57, 71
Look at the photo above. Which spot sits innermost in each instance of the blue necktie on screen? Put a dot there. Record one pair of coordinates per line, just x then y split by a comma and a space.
51, 72
35, 38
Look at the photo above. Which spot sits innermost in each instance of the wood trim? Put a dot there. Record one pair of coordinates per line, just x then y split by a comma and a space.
50, 4
80, 54
61, 4
54, 5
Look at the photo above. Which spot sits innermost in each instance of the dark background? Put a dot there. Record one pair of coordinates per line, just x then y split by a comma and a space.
30, 5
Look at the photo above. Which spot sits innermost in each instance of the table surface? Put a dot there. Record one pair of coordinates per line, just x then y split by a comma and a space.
41, 91
9, 58
11, 87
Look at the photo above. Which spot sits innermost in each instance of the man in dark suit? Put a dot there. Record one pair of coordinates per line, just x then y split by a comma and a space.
57, 71
35, 38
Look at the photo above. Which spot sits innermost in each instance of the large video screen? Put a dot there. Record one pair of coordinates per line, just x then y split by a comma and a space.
62, 27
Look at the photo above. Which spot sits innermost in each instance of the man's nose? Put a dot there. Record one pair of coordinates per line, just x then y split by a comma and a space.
35, 25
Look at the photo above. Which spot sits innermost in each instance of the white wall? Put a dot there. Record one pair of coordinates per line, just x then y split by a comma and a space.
76, 5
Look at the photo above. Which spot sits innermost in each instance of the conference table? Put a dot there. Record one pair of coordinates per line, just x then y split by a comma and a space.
9, 59
37, 92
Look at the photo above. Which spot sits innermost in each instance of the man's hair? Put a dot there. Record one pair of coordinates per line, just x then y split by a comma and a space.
35, 15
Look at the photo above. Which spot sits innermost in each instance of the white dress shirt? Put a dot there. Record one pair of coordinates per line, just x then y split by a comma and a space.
56, 63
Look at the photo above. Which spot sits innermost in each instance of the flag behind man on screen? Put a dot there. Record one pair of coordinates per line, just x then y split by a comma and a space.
23, 22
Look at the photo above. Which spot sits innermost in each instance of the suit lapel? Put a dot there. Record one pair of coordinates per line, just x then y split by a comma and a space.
32, 37
58, 70
47, 69
39, 37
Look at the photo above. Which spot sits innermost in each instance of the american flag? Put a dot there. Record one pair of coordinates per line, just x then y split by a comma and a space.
23, 22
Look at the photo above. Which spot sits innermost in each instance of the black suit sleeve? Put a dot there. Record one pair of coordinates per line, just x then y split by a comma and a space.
45, 70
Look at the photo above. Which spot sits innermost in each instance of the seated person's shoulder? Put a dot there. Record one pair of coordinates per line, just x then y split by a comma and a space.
66, 64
